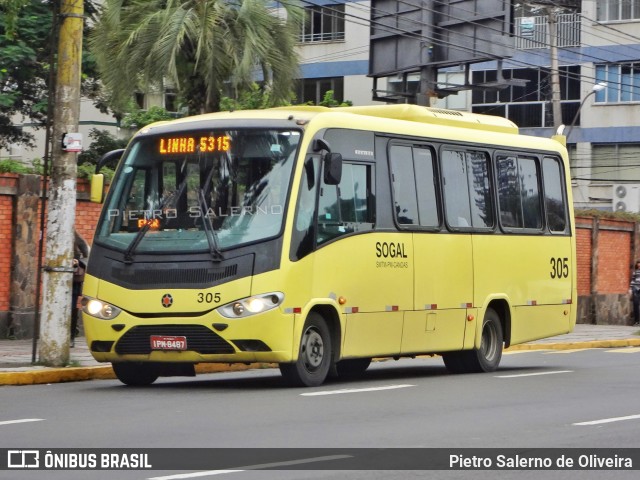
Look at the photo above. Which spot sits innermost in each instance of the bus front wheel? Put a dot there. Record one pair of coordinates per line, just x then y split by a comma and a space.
135, 373
487, 357
314, 357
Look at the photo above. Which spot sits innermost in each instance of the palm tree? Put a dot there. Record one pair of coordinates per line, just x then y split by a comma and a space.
197, 45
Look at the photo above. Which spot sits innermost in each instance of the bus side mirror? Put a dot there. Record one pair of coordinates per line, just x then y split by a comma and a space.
97, 188
112, 156
332, 168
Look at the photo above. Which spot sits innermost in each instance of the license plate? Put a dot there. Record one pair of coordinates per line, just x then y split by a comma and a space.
164, 342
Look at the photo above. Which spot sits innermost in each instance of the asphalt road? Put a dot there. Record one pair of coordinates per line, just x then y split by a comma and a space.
537, 399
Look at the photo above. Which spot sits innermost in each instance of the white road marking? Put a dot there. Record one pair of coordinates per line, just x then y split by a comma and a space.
609, 420
22, 420
252, 467
569, 350
625, 350
533, 374
515, 352
354, 390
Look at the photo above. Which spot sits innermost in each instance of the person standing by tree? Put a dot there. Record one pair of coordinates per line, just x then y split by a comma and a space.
634, 290
80, 256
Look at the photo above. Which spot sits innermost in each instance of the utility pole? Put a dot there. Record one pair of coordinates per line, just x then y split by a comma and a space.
58, 270
428, 73
552, 20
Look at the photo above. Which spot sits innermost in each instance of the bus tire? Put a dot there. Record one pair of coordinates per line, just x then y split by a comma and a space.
135, 373
487, 357
314, 358
353, 367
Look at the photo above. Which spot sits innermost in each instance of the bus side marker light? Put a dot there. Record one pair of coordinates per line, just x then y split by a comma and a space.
342, 300
470, 318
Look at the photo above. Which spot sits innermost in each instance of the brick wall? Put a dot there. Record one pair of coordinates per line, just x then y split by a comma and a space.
605, 252
86, 217
7, 183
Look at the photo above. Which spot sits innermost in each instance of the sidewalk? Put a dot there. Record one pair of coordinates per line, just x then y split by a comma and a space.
16, 367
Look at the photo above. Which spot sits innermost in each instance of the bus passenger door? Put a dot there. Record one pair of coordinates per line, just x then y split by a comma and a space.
369, 274
443, 292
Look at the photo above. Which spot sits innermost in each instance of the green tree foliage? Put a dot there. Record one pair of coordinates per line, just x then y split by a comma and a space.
201, 46
253, 98
26, 40
102, 143
24, 36
329, 101
142, 118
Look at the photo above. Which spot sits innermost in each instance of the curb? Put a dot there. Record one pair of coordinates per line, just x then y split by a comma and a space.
45, 375
629, 342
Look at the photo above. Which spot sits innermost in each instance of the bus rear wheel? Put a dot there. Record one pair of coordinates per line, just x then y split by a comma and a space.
487, 357
135, 373
314, 358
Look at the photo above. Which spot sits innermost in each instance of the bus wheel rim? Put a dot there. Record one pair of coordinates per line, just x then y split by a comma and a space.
489, 342
312, 349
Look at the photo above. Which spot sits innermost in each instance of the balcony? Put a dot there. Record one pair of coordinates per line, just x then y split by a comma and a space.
532, 32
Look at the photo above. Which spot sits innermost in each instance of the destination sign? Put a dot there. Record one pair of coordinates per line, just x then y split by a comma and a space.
186, 144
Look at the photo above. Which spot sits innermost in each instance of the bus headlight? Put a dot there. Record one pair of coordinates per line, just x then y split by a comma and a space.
102, 310
246, 307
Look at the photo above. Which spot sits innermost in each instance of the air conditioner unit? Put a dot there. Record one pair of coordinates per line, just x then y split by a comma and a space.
626, 197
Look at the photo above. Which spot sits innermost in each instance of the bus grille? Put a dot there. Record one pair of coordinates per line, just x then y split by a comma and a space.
137, 341
161, 277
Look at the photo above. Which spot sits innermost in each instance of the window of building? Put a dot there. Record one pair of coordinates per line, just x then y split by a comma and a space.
467, 191
323, 24
139, 98
611, 10
314, 89
623, 82
615, 163
528, 105
171, 100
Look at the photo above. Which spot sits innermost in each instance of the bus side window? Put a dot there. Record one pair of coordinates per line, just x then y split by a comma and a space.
456, 192
467, 190
346, 208
553, 195
403, 179
518, 192
414, 190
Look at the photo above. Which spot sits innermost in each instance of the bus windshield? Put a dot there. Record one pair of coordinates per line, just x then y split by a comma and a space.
199, 190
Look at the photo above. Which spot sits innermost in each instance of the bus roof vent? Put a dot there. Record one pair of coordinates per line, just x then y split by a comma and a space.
435, 116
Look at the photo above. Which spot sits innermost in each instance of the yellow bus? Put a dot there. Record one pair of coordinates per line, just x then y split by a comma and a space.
319, 239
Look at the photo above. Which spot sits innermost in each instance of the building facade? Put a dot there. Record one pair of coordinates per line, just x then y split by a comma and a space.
598, 46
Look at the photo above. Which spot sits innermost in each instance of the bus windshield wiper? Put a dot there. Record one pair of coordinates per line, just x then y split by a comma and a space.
209, 230
128, 255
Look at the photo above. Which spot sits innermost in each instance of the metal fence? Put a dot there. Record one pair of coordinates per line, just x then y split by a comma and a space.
532, 32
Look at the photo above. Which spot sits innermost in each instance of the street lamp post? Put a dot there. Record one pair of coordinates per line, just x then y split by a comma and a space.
596, 88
